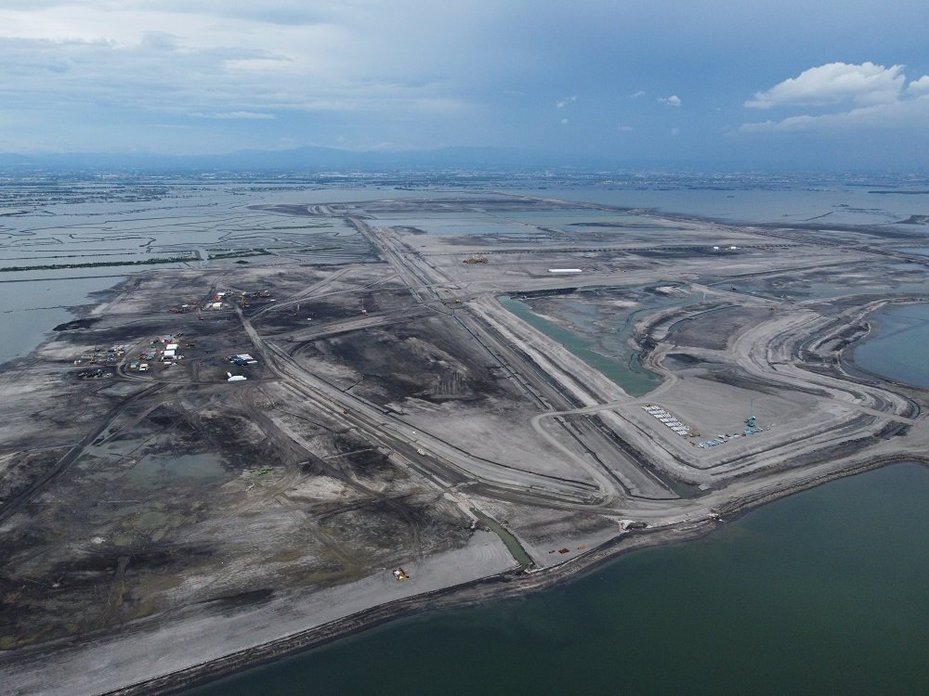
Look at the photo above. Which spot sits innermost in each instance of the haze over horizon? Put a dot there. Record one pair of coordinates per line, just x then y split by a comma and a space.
721, 83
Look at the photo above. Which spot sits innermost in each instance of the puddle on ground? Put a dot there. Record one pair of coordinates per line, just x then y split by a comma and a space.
155, 470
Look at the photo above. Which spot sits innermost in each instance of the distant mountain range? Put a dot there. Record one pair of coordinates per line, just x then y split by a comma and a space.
304, 158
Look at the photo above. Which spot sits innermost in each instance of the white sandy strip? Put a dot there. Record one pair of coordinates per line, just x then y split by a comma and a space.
205, 635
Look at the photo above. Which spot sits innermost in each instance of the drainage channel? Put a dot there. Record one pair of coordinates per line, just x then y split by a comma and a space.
511, 542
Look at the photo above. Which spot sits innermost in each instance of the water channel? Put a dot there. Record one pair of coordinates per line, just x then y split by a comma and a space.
621, 366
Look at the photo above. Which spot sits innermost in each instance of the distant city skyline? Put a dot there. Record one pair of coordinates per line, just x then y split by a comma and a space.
720, 83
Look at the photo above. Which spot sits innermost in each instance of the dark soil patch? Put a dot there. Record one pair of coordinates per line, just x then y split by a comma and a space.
714, 330
241, 599
77, 324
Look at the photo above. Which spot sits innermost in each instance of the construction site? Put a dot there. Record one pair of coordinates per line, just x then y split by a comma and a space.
223, 464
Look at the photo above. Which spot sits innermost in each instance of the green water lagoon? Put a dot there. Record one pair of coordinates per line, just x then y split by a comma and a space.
619, 363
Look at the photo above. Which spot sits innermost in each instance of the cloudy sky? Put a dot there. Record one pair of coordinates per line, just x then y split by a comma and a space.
763, 83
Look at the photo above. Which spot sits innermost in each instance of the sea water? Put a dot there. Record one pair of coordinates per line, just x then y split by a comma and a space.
897, 349
821, 592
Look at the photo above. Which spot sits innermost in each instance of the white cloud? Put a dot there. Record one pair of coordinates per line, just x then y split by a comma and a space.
162, 72
879, 99
564, 122
902, 114
239, 115
919, 87
622, 128
834, 83
675, 131
84, 73
232, 61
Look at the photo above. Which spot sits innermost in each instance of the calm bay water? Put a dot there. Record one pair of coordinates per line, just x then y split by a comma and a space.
898, 349
835, 205
32, 308
822, 592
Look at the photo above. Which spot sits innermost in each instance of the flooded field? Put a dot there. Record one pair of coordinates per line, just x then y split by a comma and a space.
156, 224
61, 244
158, 470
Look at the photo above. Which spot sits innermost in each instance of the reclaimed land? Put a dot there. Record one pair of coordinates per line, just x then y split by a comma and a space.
162, 523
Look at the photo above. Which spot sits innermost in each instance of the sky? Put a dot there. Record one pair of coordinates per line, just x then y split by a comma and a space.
760, 84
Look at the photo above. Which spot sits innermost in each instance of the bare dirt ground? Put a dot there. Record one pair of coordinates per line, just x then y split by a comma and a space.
160, 523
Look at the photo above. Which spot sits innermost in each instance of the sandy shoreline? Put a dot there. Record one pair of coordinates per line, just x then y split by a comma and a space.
510, 584
498, 587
